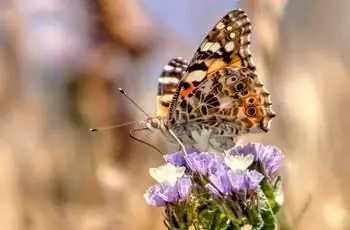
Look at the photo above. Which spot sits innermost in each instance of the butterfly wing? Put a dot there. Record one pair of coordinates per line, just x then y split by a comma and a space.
168, 83
227, 44
220, 90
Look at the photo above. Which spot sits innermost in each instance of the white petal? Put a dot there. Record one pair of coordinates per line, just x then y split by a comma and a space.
239, 162
167, 173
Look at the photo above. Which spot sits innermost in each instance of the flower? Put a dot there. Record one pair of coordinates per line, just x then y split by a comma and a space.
216, 164
252, 179
221, 182
271, 158
237, 181
198, 162
183, 187
226, 186
165, 193
167, 173
177, 158
234, 181
160, 194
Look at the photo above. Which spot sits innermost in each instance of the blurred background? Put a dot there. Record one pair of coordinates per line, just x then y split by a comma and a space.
62, 61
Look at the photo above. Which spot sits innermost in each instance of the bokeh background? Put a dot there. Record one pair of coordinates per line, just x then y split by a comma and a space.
62, 61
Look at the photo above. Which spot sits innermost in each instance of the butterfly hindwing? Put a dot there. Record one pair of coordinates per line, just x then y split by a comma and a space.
230, 102
168, 83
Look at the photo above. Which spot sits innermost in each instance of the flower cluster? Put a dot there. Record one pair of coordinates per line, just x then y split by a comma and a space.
229, 182
173, 185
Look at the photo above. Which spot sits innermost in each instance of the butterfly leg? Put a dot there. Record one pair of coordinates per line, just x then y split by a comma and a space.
178, 141
202, 139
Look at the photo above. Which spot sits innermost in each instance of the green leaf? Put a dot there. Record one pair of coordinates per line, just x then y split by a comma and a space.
266, 212
254, 218
268, 191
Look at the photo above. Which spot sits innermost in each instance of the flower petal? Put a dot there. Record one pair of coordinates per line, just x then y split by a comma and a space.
239, 162
168, 193
167, 173
184, 185
237, 180
176, 159
198, 162
152, 196
253, 179
221, 182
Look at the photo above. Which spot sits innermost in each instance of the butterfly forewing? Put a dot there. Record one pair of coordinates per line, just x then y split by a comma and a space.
227, 44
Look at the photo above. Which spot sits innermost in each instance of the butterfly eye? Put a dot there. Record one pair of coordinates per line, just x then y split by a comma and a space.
239, 86
250, 111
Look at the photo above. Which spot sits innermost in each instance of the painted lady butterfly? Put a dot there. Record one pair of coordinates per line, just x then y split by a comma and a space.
218, 95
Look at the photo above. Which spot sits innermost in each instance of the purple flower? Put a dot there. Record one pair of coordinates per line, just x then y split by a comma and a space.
198, 162
252, 179
237, 180
221, 182
160, 194
270, 157
165, 193
216, 165
176, 159
183, 186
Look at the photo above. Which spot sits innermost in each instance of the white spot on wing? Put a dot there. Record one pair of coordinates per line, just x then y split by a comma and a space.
168, 68
177, 69
229, 28
229, 46
166, 98
165, 80
197, 75
220, 26
206, 46
215, 47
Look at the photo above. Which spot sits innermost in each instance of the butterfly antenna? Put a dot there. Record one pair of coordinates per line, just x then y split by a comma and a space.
133, 102
132, 135
112, 126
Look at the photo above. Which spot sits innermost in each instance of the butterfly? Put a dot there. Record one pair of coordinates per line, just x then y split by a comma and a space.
217, 96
